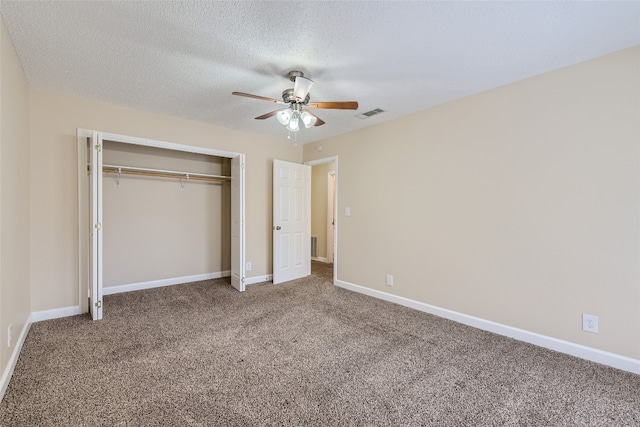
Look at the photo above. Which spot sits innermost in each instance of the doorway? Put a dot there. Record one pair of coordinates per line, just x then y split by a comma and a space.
324, 219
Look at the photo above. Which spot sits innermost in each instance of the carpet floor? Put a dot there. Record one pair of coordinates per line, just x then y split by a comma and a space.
303, 353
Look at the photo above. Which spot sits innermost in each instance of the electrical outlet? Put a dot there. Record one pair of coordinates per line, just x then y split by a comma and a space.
389, 280
9, 330
249, 266
590, 323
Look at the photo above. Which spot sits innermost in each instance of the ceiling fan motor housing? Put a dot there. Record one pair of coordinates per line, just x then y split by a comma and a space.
287, 96
293, 74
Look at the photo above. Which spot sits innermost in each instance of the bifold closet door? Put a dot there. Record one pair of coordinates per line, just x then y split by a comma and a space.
95, 224
237, 223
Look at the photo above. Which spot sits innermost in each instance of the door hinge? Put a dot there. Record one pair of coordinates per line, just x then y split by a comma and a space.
98, 147
98, 304
98, 226
242, 280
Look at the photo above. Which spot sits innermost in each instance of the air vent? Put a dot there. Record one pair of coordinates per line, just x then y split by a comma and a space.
370, 113
314, 246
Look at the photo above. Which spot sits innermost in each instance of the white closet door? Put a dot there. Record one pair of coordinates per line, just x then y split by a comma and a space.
291, 225
237, 223
95, 263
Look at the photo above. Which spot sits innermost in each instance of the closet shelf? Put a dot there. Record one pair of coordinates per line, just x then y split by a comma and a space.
130, 170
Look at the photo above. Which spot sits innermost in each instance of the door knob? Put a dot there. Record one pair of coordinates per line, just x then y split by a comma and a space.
278, 227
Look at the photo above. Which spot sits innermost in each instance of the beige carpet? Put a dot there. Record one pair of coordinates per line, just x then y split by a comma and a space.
303, 353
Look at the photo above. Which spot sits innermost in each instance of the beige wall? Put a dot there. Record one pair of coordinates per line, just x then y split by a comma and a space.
14, 196
153, 227
519, 205
54, 223
319, 209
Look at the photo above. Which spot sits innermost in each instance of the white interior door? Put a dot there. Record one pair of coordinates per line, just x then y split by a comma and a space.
291, 225
237, 223
95, 224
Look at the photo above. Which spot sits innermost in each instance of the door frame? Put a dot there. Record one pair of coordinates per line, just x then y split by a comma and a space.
84, 208
331, 214
335, 210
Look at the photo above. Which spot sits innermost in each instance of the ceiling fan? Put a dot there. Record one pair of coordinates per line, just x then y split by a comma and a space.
297, 99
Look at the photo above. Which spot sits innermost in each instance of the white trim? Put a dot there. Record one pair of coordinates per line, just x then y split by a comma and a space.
13, 359
321, 161
56, 313
109, 290
320, 259
258, 279
83, 220
593, 354
106, 136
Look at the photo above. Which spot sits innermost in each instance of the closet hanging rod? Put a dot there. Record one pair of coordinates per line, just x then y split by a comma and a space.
131, 170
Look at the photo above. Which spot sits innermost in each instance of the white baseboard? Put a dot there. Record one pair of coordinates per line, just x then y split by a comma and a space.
13, 359
319, 258
599, 356
39, 316
108, 290
258, 279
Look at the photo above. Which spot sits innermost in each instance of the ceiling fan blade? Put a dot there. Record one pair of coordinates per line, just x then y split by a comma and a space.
263, 98
301, 88
271, 114
338, 105
319, 121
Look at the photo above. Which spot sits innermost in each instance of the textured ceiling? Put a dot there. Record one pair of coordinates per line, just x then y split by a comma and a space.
185, 58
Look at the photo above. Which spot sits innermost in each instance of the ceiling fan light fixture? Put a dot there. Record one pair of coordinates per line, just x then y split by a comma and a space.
293, 125
308, 119
284, 116
301, 88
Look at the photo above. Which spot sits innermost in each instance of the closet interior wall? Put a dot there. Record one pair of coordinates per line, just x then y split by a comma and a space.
158, 228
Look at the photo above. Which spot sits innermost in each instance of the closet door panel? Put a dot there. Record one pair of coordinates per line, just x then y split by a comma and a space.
95, 259
237, 223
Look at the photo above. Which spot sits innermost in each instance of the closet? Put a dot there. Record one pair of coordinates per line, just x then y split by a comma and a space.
157, 214
166, 217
